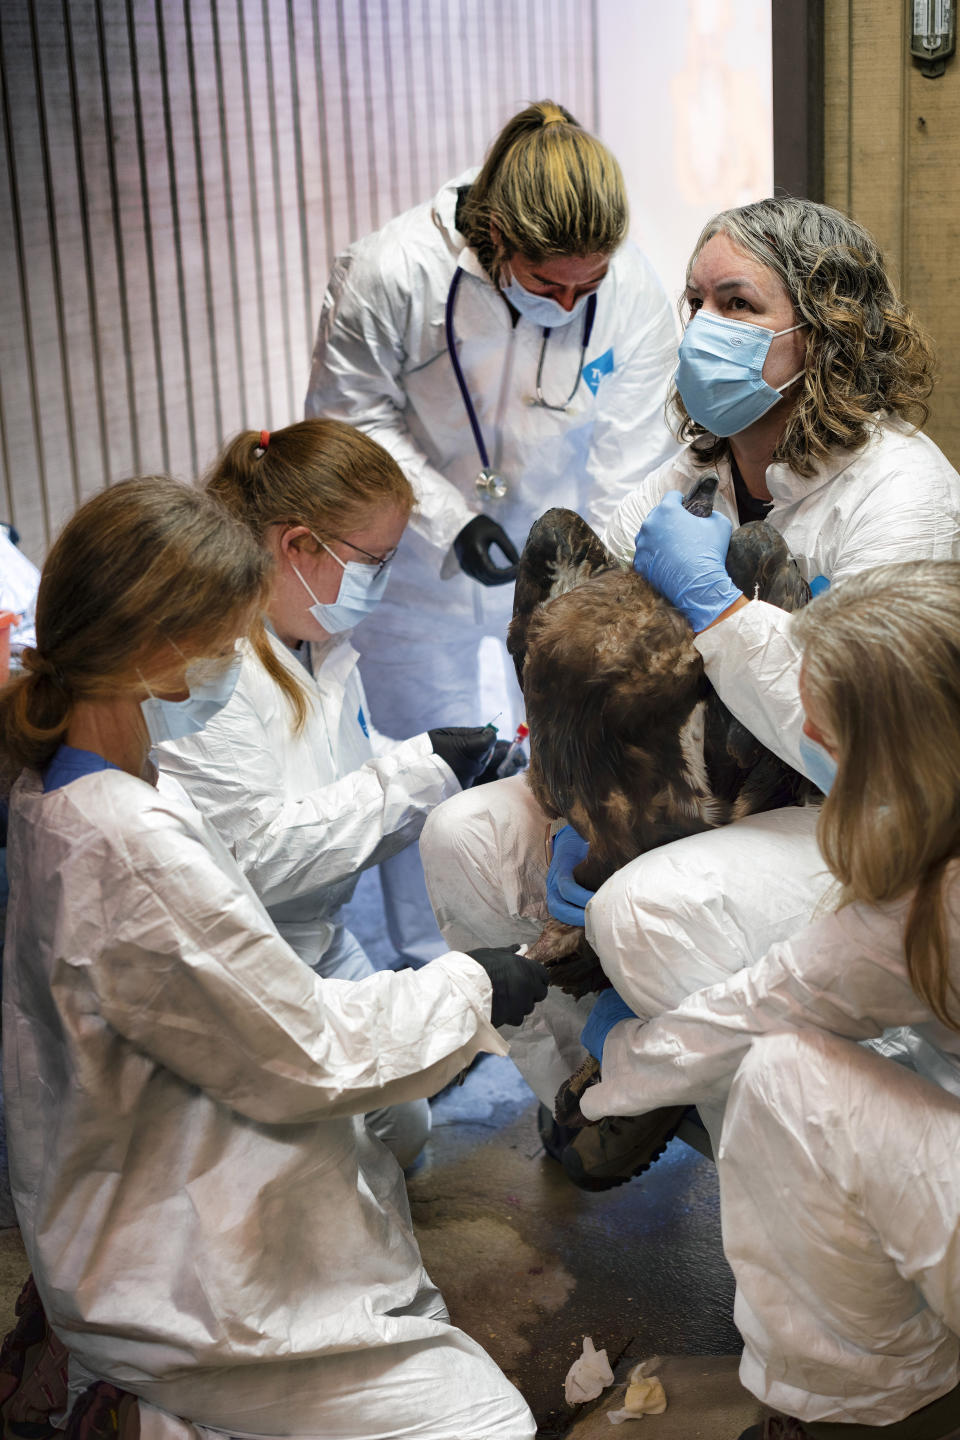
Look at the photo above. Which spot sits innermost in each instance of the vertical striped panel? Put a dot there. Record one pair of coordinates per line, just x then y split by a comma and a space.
176, 177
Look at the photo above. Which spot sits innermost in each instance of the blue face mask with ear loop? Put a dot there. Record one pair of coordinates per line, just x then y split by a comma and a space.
175, 719
720, 372
541, 309
361, 590
818, 764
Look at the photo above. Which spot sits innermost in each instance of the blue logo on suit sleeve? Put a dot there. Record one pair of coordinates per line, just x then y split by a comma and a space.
595, 371
362, 721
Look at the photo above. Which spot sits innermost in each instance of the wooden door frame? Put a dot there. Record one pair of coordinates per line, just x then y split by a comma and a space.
798, 63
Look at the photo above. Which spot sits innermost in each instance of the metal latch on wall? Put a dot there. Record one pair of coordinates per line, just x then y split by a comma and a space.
933, 34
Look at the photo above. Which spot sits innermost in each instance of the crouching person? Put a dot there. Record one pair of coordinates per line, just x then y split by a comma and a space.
839, 1182
210, 1224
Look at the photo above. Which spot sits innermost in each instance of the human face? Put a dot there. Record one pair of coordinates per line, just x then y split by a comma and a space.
206, 664
726, 281
563, 278
289, 607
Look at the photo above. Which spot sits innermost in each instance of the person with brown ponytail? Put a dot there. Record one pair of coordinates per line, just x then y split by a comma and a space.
292, 773
512, 350
209, 1223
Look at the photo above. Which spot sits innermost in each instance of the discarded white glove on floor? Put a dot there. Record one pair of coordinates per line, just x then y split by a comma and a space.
589, 1374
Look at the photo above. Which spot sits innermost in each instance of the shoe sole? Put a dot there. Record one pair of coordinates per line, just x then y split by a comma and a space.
575, 1171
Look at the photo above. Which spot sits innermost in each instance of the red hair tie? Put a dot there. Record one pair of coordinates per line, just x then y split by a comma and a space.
264, 442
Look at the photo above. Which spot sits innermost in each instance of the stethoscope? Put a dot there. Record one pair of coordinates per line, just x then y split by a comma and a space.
489, 483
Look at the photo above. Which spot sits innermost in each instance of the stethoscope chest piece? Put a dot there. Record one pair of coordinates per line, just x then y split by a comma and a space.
490, 485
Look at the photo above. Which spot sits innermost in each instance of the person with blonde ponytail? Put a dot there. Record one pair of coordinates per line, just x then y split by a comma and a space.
210, 1225
513, 351
839, 1174
292, 772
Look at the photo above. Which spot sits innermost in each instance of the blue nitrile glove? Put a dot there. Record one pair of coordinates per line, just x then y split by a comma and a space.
608, 1011
566, 900
682, 555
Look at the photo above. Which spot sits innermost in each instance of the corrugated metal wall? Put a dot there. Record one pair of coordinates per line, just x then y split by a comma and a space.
177, 177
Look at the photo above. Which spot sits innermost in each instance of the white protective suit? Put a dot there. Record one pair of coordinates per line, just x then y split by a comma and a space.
208, 1221
303, 814
839, 1183
381, 363
689, 913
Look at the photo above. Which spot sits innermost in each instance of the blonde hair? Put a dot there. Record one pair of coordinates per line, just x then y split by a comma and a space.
549, 187
881, 665
319, 473
145, 562
865, 351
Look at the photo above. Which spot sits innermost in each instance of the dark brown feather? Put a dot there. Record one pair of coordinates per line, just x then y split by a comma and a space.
629, 742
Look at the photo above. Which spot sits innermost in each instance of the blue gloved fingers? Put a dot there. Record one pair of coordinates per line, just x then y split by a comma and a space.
683, 556
609, 1010
566, 900
568, 914
569, 848
686, 538
568, 889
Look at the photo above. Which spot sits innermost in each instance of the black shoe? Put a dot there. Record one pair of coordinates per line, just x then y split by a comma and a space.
555, 1137
618, 1148
566, 1104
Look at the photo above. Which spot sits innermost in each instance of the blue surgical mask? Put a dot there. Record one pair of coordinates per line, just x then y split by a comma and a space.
818, 764
173, 719
720, 373
541, 309
361, 590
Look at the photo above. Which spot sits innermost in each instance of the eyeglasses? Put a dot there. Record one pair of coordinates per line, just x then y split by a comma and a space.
381, 561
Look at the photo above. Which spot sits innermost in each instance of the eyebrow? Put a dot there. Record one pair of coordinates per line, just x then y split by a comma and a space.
736, 282
545, 280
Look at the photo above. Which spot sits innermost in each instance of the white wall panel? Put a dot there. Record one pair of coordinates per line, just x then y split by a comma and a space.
686, 102
176, 177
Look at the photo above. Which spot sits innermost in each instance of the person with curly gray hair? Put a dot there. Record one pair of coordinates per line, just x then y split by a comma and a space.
801, 381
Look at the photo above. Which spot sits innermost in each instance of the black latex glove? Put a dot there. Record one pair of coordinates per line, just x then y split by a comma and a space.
518, 762
466, 749
518, 983
472, 549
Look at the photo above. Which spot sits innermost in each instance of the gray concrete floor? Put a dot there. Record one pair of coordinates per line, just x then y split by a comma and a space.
529, 1265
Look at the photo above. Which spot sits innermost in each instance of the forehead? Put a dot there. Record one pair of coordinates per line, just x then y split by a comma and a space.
565, 269
721, 261
380, 531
